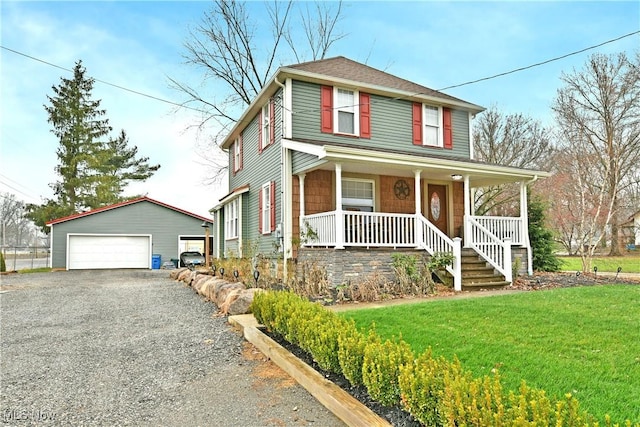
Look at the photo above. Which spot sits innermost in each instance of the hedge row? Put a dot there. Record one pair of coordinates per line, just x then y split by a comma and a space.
437, 392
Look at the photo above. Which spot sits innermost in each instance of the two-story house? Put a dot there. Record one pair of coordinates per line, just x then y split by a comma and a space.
338, 162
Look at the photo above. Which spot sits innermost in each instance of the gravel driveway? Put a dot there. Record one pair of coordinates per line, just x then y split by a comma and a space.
133, 347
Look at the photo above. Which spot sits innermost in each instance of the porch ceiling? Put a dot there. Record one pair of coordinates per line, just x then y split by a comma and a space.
354, 160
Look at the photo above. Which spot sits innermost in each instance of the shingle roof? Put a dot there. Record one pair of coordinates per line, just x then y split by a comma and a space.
345, 68
125, 203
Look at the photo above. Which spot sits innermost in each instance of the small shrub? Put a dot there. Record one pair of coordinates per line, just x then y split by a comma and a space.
323, 340
422, 387
3, 265
407, 269
313, 284
515, 267
351, 345
472, 401
381, 367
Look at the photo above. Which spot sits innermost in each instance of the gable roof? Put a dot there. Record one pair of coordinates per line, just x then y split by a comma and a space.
125, 203
344, 71
347, 69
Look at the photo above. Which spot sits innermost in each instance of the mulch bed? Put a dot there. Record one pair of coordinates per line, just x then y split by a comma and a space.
397, 416
540, 281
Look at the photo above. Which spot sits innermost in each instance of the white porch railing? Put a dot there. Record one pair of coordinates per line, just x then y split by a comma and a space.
433, 241
494, 250
503, 227
375, 229
318, 229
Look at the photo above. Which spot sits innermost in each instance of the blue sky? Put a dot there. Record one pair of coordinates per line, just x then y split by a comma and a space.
139, 45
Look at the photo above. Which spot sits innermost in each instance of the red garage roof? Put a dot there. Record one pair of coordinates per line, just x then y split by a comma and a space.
125, 203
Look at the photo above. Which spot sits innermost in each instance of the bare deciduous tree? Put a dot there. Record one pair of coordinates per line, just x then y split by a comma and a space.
229, 47
598, 112
511, 140
579, 207
15, 229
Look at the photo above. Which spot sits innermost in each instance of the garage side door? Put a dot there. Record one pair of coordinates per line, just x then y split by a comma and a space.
97, 252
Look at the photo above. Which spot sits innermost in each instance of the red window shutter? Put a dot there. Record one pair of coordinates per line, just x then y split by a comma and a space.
447, 128
365, 115
417, 123
272, 198
260, 148
260, 211
272, 121
326, 108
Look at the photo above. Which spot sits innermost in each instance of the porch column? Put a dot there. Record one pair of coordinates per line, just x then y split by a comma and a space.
416, 174
301, 190
217, 233
524, 226
339, 215
301, 211
417, 189
468, 207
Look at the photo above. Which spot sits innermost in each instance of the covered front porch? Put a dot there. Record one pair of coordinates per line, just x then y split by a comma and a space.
336, 216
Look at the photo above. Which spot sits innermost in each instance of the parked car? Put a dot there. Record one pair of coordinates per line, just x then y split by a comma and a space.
191, 259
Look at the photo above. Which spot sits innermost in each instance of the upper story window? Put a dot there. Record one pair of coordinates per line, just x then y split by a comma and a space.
266, 129
237, 154
231, 219
345, 112
432, 126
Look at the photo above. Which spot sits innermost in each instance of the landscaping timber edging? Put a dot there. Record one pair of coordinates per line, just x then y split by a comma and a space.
344, 406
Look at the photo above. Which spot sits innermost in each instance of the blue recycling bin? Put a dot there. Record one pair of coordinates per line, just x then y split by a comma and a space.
156, 261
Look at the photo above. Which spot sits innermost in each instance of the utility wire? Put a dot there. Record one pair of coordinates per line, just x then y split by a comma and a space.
105, 82
540, 63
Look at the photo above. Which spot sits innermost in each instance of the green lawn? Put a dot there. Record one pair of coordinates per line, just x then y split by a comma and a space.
584, 340
629, 263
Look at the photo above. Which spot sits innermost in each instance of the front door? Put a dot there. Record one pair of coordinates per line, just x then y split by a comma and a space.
437, 206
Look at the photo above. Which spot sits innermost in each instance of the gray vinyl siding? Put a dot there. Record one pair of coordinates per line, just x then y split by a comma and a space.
257, 170
391, 124
461, 137
301, 162
164, 225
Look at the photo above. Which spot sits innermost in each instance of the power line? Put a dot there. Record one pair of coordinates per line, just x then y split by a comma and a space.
105, 82
541, 63
397, 98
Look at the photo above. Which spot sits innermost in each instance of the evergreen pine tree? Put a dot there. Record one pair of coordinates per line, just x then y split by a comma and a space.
93, 167
540, 237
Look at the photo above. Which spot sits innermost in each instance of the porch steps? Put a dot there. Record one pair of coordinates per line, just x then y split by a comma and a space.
477, 274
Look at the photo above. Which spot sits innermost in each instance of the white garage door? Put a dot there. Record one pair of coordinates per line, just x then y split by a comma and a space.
93, 252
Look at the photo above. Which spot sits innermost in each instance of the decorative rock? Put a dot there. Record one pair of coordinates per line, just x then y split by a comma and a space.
175, 273
183, 275
243, 302
199, 280
206, 290
231, 297
225, 290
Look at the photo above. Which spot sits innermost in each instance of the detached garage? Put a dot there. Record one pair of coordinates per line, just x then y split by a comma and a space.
124, 235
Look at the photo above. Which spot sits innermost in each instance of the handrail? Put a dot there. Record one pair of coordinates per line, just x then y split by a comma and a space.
504, 227
495, 251
435, 241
